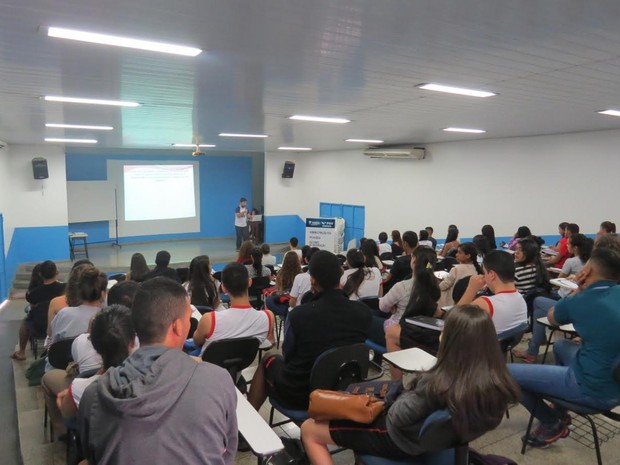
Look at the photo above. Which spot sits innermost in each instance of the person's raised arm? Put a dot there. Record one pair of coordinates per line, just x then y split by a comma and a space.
476, 283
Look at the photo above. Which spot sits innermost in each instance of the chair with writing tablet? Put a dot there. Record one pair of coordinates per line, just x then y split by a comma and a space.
234, 355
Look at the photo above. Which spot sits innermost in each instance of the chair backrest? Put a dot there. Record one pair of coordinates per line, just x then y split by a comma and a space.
459, 288
233, 355
183, 274
510, 338
259, 284
386, 256
203, 309
193, 324
59, 353
372, 302
218, 275
339, 367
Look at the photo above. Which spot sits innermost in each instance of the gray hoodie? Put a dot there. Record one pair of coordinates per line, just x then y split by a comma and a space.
160, 407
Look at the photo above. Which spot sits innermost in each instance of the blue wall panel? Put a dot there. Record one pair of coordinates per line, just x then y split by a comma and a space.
354, 218
36, 245
280, 228
4, 290
222, 180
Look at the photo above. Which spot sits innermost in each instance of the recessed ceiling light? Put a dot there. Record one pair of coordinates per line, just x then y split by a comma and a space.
467, 130
295, 149
232, 134
366, 141
320, 119
610, 112
73, 141
456, 90
91, 101
193, 145
116, 41
79, 126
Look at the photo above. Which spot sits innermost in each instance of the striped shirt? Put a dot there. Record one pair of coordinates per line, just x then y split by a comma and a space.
525, 278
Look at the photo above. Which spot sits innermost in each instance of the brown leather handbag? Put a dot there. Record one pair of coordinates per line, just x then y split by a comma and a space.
334, 405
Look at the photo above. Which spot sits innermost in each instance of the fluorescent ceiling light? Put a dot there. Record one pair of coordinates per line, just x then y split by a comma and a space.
78, 126
320, 119
193, 145
232, 134
456, 90
366, 141
73, 141
116, 41
610, 112
295, 149
91, 101
467, 130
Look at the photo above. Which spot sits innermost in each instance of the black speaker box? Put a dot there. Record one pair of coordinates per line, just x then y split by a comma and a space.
39, 168
289, 169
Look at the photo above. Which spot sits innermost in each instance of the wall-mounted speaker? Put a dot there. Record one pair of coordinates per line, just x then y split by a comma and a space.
289, 169
39, 168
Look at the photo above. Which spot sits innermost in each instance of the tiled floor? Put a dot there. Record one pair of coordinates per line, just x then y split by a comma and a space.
505, 440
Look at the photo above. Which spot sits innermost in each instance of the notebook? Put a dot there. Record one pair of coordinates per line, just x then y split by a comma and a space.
426, 322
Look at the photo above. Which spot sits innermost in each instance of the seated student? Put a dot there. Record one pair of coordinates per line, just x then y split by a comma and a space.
70, 298
162, 260
329, 320
293, 243
159, 400
452, 241
585, 371
360, 281
138, 269
580, 247
401, 269
383, 245
489, 233
562, 249
39, 299
268, 259
397, 243
562, 233
202, 287
244, 255
240, 319
470, 378
257, 269
421, 302
424, 240
530, 272
277, 301
607, 227
506, 306
302, 283
482, 245
113, 338
522, 233
371, 254
430, 232
467, 259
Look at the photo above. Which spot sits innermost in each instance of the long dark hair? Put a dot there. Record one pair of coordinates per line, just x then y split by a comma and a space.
356, 260
531, 256
370, 250
584, 245
138, 267
608, 226
489, 233
111, 334
201, 283
523, 232
257, 261
425, 291
453, 234
482, 244
470, 377
291, 267
468, 248
396, 238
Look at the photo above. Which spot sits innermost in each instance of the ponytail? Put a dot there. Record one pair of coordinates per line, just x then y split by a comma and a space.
356, 260
468, 248
425, 291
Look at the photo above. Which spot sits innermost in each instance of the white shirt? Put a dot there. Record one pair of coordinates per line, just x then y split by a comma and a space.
384, 248
370, 285
508, 310
426, 244
301, 285
78, 386
241, 221
269, 259
396, 300
84, 354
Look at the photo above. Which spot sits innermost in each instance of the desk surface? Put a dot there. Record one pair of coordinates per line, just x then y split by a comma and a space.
569, 328
77, 235
411, 359
256, 431
565, 283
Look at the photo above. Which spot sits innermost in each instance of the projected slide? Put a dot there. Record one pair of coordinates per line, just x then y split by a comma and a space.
158, 192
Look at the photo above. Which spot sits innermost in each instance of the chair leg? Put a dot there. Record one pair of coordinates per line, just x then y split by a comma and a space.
547, 347
597, 446
527, 432
271, 416
45, 414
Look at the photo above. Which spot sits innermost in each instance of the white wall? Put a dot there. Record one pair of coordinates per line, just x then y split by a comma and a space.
536, 181
27, 202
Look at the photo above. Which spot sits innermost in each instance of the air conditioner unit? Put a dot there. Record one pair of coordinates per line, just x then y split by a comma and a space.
408, 153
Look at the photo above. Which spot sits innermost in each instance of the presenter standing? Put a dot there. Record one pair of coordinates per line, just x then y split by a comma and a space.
241, 222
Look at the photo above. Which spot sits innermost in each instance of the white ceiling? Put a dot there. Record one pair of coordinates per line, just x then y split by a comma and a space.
554, 64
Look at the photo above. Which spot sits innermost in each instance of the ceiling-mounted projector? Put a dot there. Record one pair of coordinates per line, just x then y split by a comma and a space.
402, 152
198, 153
